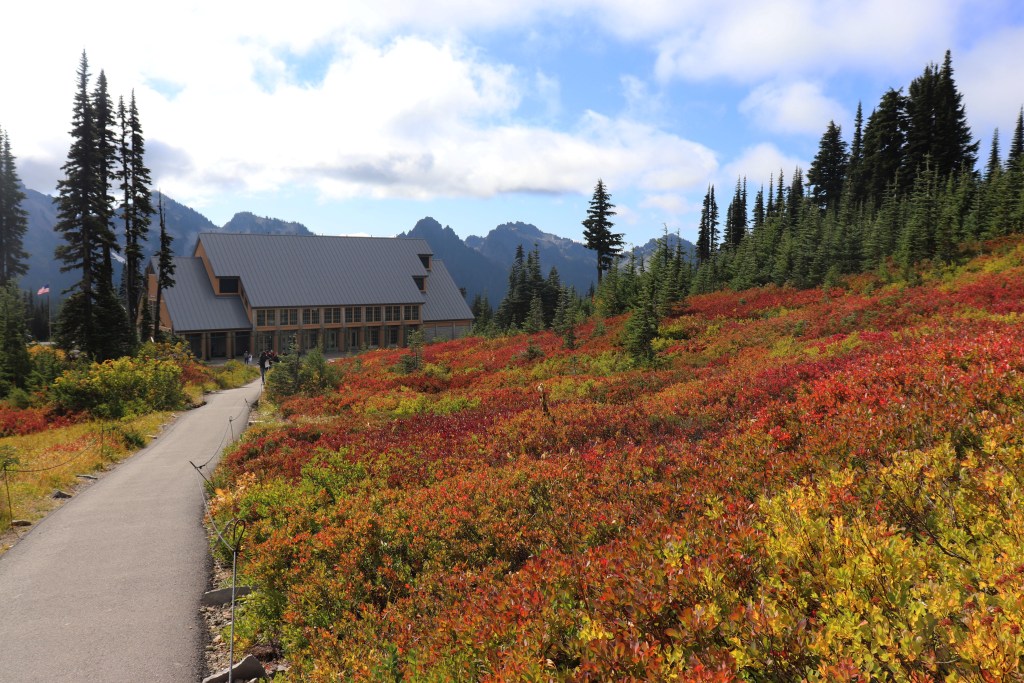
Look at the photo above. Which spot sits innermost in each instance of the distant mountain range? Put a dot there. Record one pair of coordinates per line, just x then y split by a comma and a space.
479, 265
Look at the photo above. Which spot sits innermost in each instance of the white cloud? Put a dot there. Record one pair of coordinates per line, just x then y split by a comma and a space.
760, 164
799, 107
670, 203
989, 77
749, 40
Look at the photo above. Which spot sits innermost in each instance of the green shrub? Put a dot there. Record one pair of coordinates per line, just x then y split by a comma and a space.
116, 388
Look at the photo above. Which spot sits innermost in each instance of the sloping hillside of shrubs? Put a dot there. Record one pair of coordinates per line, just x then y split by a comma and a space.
805, 485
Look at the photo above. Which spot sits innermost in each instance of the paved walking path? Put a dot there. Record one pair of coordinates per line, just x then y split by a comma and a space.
107, 587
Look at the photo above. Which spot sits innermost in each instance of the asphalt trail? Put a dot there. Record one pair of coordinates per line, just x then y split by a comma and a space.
107, 587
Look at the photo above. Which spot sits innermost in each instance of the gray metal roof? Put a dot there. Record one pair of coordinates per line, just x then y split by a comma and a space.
192, 304
298, 270
444, 300
319, 270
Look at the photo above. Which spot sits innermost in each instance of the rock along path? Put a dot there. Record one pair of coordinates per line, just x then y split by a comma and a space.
107, 587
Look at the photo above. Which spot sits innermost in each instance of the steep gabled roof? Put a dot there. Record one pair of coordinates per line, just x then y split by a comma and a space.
319, 270
444, 300
192, 304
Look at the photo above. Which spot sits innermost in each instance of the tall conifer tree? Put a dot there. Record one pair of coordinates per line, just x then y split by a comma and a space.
828, 170
13, 218
597, 229
164, 265
137, 203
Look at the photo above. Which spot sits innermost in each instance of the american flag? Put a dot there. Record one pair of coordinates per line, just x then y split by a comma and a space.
45, 289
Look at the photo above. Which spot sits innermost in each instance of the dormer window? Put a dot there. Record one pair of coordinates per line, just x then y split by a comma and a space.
229, 285
421, 282
425, 260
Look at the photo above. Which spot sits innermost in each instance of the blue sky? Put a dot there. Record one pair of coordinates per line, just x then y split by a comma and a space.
363, 117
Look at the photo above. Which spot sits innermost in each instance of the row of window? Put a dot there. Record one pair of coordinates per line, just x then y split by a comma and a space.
329, 340
287, 317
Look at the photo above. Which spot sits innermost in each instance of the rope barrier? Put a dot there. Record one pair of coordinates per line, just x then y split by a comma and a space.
66, 462
235, 529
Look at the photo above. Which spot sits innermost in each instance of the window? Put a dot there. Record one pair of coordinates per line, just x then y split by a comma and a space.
229, 285
265, 317
421, 282
331, 340
288, 341
425, 260
392, 336
412, 312
310, 339
353, 314
373, 336
310, 316
264, 342
392, 313
332, 316
373, 314
289, 316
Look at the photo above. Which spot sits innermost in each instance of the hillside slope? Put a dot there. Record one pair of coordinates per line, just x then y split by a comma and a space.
818, 484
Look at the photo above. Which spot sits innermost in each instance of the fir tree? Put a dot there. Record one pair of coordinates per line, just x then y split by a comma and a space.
15, 365
707, 231
92, 318
884, 141
828, 170
1017, 144
736, 217
13, 218
137, 204
80, 215
995, 165
165, 266
759, 211
642, 327
597, 229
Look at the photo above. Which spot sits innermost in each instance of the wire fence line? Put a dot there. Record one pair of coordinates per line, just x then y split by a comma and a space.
6, 469
233, 529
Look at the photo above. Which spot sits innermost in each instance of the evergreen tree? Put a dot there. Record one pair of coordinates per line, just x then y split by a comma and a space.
736, 217
15, 364
642, 327
13, 218
1017, 144
513, 309
597, 229
957, 150
854, 169
828, 170
80, 215
995, 165
795, 200
137, 204
917, 240
549, 295
91, 318
564, 322
884, 141
707, 232
165, 266
759, 212
535, 316
106, 155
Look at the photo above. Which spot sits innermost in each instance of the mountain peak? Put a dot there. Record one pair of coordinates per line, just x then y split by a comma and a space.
428, 224
247, 222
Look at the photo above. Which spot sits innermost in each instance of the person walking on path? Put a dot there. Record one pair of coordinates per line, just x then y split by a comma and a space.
107, 587
264, 361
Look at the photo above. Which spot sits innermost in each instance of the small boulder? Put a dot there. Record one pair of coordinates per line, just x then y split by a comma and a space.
246, 670
222, 596
61, 494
